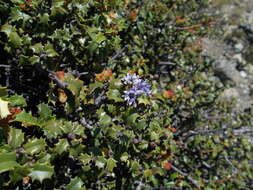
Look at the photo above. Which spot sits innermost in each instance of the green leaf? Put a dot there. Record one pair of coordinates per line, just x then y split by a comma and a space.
37, 48
75, 184
132, 118
98, 38
18, 173
110, 164
73, 127
52, 128
17, 15
50, 50
7, 161
100, 162
143, 100
17, 1
115, 83
75, 86
124, 157
143, 145
34, 59
94, 86
27, 119
85, 158
44, 157
44, 19
35, 146
45, 112
134, 166
58, 3
114, 94
7, 29
15, 40
17, 100
15, 138
40, 172
61, 146
105, 120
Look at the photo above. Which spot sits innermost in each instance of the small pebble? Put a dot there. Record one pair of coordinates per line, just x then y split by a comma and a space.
243, 74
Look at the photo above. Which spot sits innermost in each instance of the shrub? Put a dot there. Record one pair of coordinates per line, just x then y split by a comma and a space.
70, 119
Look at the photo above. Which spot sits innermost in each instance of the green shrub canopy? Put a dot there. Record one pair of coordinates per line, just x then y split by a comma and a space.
109, 94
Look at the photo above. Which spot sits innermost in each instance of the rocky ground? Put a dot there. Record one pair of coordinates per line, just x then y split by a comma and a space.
232, 49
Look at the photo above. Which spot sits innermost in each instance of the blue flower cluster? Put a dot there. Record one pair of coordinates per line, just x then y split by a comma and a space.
137, 88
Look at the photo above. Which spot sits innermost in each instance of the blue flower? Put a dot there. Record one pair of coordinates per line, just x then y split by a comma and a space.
131, 79
142, 87
137, 88
130, 97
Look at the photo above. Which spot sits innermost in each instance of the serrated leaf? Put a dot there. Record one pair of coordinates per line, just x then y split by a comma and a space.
143, 145
73, 128
74, 85
61, 146
44, 19
124, 157
34, 59
105, 120
57, 3
35, 146
17, 15
37, 48
7, 29
17, 100
44, 157
100, 162
27, 119
15, 138
95, 85
50, 50
40, 172
4, 110
115, 83
132, 118
18, 173
114, 94
143, 100
85, 158
110, 164
45, 112
134, 166
75, 184
15, 39
98, 38
7, 161
52, 128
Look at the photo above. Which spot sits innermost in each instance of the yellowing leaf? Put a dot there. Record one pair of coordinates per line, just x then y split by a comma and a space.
62, 96
4, 110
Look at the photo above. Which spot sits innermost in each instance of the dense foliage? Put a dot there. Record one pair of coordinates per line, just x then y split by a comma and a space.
113, 94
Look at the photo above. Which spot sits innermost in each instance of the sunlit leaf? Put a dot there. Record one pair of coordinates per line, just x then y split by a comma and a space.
40, 172
15, 138
7, 161
34, 146
27, 119
4, 110
110, 164
75, 184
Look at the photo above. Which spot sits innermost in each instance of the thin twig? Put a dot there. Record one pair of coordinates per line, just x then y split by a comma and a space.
118, 53
187, 176
235, 170
5, 66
